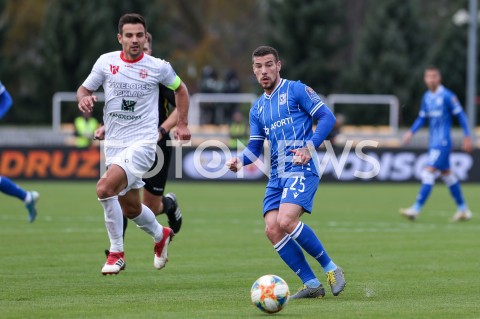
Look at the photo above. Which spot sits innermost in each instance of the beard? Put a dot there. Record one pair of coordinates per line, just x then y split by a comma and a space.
270, 85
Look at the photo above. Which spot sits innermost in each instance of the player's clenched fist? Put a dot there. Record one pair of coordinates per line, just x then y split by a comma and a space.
234, 164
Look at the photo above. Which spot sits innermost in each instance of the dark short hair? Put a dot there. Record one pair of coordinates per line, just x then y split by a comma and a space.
432, 68
131, 18
265, 50
149, 37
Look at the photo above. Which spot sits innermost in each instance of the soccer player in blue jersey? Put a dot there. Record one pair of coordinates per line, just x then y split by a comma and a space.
7, 186
439, 106
283, 116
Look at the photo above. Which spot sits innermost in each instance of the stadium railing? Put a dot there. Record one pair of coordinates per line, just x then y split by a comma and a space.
370, 100
205, 131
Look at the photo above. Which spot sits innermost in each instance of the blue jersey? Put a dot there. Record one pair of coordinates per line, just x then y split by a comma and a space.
284, 119
438, 108
5, 101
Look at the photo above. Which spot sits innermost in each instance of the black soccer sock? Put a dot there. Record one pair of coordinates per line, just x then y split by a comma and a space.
125, 224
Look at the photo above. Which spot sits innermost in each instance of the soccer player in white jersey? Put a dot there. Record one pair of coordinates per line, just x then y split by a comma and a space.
439, 106
130, 80
283, 116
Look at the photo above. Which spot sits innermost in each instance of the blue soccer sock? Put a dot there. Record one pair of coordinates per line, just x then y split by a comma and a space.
293, 256
10, 188
428, 180
455, 190
307, 239
422, 196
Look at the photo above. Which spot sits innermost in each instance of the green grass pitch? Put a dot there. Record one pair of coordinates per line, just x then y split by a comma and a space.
394, 268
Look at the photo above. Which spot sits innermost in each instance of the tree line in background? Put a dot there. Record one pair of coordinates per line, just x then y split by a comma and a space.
335, 46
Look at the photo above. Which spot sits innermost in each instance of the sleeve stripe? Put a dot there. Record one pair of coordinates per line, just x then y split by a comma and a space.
315, 109
457, 110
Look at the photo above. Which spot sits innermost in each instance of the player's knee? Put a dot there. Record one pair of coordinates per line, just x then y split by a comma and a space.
104, 192
428, 177
287, 225
450, 179
274, 234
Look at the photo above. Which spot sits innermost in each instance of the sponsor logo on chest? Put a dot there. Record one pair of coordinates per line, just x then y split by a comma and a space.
281, 122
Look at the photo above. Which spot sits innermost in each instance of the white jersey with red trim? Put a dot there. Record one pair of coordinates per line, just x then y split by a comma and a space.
130, 113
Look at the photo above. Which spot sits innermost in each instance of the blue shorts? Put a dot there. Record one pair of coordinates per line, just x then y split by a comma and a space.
297, 189
439, 158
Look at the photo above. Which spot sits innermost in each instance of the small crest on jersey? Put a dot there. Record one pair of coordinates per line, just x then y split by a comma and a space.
114, 68
143, 73
283, 98
312, 94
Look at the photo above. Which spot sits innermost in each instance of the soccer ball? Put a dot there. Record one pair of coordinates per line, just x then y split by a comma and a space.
269, 293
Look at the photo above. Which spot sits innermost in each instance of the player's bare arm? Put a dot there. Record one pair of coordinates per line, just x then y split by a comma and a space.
85, 99
407, 137
169, 123
182, 101
467, 144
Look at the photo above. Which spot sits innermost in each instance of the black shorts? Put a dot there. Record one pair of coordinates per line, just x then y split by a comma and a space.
156, 184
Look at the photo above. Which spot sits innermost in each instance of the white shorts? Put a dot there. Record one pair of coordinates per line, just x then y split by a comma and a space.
135, 160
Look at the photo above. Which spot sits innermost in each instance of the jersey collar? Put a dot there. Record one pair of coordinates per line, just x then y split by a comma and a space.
131, 61
439, 90
280, 83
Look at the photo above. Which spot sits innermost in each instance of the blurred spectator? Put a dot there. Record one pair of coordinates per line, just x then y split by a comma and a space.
336, 130
85, 126
209, 83
231, 82
231, 85
238, 130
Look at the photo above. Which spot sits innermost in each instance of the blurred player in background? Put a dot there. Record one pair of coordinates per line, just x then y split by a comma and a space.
7, 186
130, 80
439, 106
155, 185
30, 198
85, 126
6, 101
283, 116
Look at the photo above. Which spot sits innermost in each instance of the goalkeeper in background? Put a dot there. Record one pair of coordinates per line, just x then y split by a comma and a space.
439, 106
